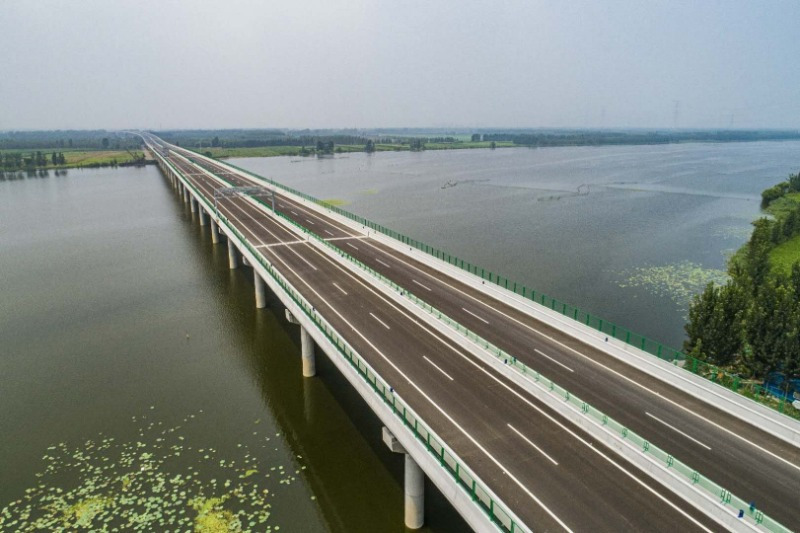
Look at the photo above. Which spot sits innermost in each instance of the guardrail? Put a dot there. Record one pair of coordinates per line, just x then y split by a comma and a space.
713, 373
693, 477
448, 460
736, 505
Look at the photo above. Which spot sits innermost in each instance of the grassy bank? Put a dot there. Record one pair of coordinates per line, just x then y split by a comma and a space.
73, 158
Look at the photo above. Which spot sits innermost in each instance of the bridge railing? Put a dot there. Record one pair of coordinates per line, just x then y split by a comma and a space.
483, 497
736, 505
692, 477
713, 373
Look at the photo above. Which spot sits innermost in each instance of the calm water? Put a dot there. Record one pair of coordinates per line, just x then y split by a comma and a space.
136, 371
628, 233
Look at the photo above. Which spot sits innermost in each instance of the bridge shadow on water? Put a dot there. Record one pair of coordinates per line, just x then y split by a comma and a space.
357, 481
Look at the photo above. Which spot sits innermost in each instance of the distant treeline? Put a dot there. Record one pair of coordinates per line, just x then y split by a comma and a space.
258, 138
597, 138
68, 139
242, 138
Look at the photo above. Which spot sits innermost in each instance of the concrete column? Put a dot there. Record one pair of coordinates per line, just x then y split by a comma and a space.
194, 203
245, 262
414, 494
233, 255
261, 290
414, 481
203, 215
214, 232
306, 346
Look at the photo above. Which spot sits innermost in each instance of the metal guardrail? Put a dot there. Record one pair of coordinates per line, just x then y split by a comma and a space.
713, 373
483, 497
738, 506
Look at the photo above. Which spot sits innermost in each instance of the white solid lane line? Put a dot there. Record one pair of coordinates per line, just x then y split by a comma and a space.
476, 316
384, 264
420, 284
526, 439
438, 368
676, 430
338, 287
381, 321
553, 360
351, 246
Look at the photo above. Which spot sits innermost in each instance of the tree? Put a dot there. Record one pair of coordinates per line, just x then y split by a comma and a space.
369, 147
758, 252
54, 158
215, 141
105, 142
716, 324
476, 137
773, 330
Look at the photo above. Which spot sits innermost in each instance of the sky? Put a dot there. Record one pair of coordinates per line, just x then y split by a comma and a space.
157, 64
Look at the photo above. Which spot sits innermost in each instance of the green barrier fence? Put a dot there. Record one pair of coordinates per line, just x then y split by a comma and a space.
747, 388
463, 476
732, 502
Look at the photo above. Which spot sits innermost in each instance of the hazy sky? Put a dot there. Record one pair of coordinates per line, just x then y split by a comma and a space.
331, 63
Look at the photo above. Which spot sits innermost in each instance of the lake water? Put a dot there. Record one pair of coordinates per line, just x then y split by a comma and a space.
141, 386
627, 233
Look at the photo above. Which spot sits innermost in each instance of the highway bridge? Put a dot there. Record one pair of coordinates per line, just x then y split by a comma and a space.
477, 385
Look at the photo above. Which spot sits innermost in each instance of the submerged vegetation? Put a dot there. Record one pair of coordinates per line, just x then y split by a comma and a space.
677, 281
158, 482
750, 325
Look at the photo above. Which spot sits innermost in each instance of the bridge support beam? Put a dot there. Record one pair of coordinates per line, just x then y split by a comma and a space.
203, 215
307, 348
414, 484
214, 232
194, 203
261, 290
233, 255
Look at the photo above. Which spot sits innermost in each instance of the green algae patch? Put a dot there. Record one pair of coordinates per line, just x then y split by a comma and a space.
212, 517
82, 514
677, 281
336, 202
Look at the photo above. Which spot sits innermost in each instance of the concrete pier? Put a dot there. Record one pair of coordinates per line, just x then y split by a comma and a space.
233, 255
194, 203
307, 348
214, 232
203, 215
414, 484
261, 290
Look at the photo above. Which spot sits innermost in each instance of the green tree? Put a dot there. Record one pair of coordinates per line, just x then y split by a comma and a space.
369, 147
105, 142
215, 141
476, 137
716, 324
773, 329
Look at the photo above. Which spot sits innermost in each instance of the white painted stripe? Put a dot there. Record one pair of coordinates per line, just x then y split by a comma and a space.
553, 360
491, 376
338, 287
329, 233
676, 430
598, 363
429, 399
476, 316
526, 439
420, 284
279, 244
295, 213
381, 321
310, 221
351, 245
344, 238
384, 264
438, 368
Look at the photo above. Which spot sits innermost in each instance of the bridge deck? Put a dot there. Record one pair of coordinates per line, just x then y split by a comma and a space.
751, 463
552, 476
